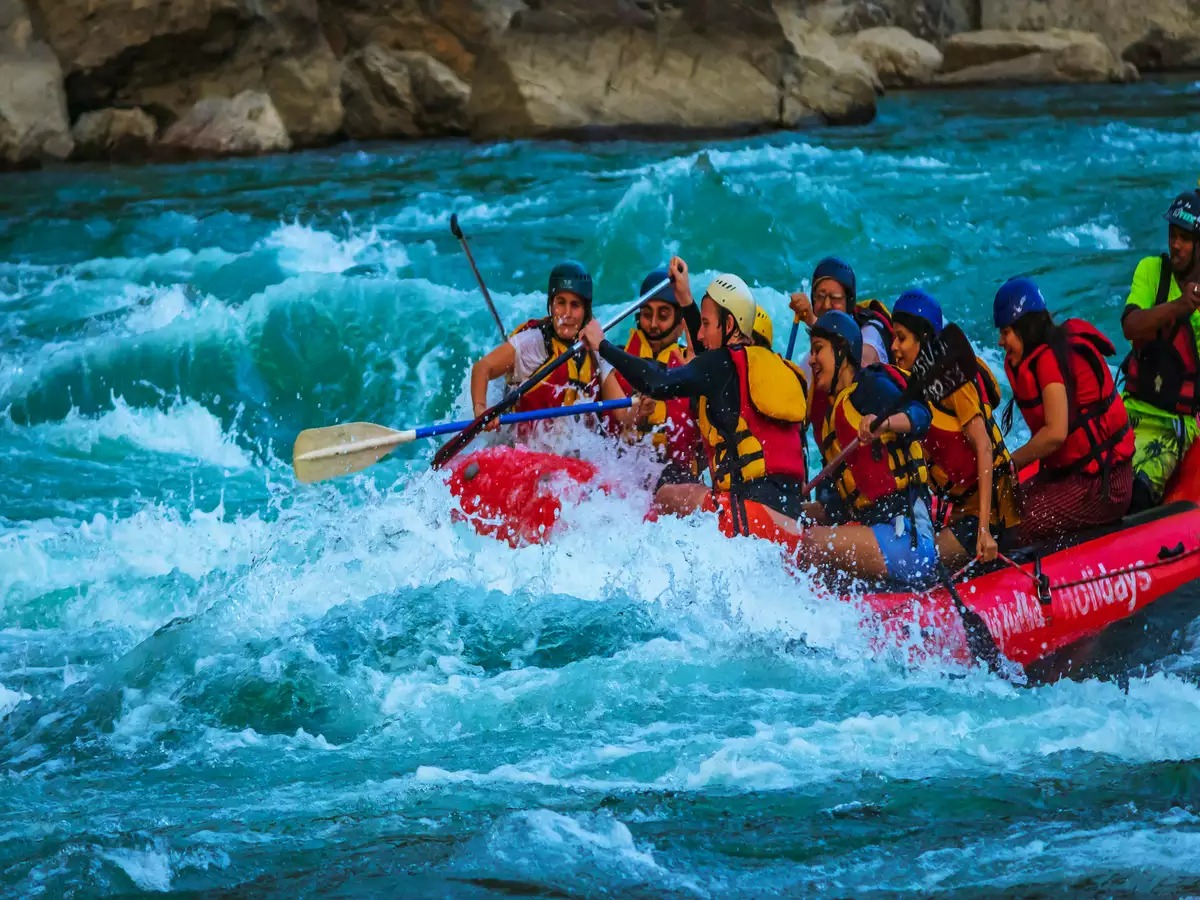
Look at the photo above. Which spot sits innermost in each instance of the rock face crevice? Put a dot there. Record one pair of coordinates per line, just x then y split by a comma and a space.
137, 79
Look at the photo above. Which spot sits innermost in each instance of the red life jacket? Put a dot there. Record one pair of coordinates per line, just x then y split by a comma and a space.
1098, 432
772, 412
566, 385
1164, 371
673, 422
953, 467
874, 312
872, 473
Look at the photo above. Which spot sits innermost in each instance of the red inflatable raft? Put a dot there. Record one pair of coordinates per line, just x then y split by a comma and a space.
1067, 609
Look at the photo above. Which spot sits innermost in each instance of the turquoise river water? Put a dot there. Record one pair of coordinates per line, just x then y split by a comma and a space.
215, 680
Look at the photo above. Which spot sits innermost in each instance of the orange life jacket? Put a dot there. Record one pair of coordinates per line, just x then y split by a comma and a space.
872, 474
772, 413
672, 422
1098, 432
1164, 371
566, 385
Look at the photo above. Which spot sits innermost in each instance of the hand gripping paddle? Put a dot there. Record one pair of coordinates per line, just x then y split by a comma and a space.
942, 367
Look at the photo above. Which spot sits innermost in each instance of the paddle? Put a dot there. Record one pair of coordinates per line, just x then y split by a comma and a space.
979, 639
323, 453
941, 368
462, 239
792, 336
452, 447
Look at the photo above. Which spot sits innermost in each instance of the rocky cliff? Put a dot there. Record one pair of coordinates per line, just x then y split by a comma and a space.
130, 79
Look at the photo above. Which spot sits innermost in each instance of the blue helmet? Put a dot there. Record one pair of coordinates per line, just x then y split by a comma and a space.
837, 326
920, 305
1016, 297
840, 271
666, 294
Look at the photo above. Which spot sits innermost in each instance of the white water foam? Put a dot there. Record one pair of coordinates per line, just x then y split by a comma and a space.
1101, 237
178, 263
186, 430
9, 700
149, 868
432, 211
303, 249
103, 554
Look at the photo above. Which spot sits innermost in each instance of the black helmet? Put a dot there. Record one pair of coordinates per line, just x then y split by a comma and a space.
1185, 212
570, 275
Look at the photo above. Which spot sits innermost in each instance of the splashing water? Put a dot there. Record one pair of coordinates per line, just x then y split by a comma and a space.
211, 677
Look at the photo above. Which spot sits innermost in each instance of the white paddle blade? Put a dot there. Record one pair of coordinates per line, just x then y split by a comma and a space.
323, 453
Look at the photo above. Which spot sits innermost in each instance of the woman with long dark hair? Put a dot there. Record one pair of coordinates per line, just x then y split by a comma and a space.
969, 466
1080, 434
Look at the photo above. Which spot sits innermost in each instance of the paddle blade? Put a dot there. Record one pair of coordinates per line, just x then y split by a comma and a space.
323, 453
943, 366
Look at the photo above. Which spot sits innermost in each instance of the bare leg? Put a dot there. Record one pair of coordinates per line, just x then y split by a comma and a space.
950, 550
847, 548
680, 499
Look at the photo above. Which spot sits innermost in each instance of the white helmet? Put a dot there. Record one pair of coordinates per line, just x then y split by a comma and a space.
733, 295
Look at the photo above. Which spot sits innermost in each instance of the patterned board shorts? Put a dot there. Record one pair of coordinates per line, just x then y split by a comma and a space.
1161, 443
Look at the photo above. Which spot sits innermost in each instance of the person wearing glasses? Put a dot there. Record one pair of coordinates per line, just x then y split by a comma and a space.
834, 286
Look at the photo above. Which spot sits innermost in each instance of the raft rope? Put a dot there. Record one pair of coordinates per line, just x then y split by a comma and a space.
1114, 573
1136, 567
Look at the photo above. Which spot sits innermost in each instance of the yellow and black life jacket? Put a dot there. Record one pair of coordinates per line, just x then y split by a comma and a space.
772, 413
876, 478
566, 385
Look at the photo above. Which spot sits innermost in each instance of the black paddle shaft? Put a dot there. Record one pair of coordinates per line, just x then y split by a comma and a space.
462, 239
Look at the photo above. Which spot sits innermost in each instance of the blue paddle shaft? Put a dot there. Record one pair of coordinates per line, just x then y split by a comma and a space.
792, 337
532, 415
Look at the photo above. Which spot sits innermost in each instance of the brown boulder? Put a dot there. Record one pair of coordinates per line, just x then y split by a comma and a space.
246, 125
729, 67
1152, 34
1024, 57
898, 58
307, 92
452, 31
930, 20
390, 93
165, 55
120, 135
621, 82
824, 81
33, 108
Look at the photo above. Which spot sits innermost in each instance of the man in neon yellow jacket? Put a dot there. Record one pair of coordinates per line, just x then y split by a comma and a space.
1162, 321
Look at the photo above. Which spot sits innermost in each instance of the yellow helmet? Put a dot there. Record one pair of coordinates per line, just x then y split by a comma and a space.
733, 295
763, 327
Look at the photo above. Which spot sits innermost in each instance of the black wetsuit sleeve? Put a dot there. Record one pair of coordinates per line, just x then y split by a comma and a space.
691, 321
703, 376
